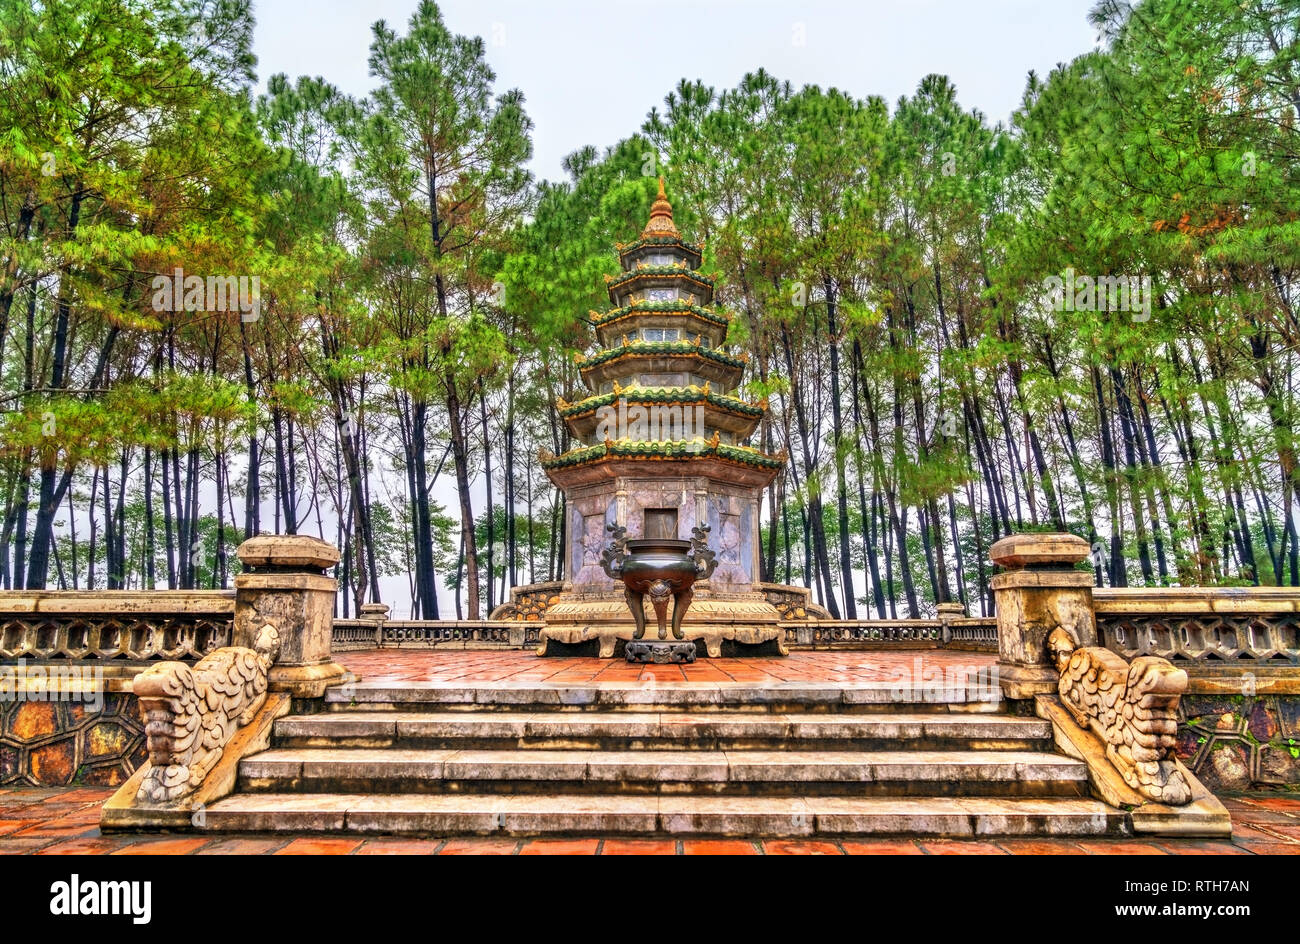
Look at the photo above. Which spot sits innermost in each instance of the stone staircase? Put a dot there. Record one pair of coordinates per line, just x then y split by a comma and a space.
709, 759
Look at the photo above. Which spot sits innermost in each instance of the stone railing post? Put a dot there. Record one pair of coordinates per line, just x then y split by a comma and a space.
947, 612
378, 613
1039, 591
284, 584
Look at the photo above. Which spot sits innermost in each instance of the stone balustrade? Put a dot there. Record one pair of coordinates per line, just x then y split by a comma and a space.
1210, 625
118, 626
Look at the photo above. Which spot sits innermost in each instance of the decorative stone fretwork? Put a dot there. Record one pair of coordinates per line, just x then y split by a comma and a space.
464, 634
113, 627
1040, 590
1218, 626
1132, 707
192, 713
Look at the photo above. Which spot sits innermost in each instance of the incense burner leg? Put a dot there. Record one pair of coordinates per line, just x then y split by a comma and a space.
660, 591
681, 601
634, 599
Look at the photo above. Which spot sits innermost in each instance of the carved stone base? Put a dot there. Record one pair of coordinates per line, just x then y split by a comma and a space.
1204, 815
744, 619
307, 681
659, 652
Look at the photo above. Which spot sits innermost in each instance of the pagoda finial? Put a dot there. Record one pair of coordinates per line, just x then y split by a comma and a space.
661, 217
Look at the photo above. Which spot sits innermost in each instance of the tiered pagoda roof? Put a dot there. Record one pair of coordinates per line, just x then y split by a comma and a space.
662, 354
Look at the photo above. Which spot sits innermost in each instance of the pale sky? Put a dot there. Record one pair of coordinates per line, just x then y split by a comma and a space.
590, 71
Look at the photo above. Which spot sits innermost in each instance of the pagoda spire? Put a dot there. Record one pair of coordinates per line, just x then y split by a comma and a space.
661, 216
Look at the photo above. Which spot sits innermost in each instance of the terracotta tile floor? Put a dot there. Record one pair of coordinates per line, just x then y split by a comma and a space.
451, 665
62, 822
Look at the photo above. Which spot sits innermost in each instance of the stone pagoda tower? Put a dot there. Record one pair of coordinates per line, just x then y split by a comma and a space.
661, 450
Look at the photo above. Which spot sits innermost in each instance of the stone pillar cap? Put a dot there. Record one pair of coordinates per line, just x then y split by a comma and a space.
288, 550
380, 608
1030, 550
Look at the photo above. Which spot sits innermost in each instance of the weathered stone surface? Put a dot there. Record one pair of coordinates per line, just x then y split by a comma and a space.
1277, 763
1036, 550
191, 714
297, 551
53, 764
1040, 592
1260, 721
34, 719
1229, 760
1133, 709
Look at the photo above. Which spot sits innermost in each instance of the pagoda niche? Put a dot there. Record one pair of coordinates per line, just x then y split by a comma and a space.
661, 447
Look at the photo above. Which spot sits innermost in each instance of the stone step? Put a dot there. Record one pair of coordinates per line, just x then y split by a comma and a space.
630, 730
758, 817
665, 696
858, 773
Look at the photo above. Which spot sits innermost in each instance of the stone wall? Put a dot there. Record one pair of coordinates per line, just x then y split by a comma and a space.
55, 743
1241, 742
66, 659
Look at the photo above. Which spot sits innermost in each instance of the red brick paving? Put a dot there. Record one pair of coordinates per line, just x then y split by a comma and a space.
1041, 847
313, 845
639, 847
800, 847
450, 665
881, 847
399, 847
480, 847
960, 847
718, 847
176, 846
1119, 847
560, 847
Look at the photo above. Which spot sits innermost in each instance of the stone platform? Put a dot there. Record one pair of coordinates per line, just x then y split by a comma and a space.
852, 666
817, 747
746, 620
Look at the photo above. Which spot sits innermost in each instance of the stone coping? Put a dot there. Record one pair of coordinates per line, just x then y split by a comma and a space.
1195, 600
113, 602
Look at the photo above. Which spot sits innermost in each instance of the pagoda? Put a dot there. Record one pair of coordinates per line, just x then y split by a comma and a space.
661, 449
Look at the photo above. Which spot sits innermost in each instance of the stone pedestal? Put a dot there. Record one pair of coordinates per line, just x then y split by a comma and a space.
284, 584
660, 651
746, 619
1039, 590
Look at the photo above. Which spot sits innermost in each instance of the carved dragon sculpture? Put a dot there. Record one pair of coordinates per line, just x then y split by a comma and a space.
190, 714
611, 557
705, 562
1132, 707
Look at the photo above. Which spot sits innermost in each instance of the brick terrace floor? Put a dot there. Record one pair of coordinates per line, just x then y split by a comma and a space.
452, 665
64, 821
